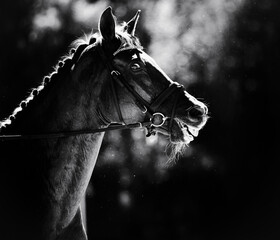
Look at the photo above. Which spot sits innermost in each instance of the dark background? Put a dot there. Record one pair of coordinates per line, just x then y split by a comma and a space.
226, 184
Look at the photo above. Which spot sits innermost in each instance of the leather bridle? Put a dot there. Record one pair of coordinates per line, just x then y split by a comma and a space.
154, 118
157, 119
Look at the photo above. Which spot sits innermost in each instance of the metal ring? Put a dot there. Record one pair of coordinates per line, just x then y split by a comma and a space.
115, 72
163, 119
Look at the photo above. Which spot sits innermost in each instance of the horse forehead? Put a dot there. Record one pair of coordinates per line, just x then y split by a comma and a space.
147, 58
151, 63
127, 57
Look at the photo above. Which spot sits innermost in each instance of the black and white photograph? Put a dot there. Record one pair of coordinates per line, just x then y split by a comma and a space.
143, 120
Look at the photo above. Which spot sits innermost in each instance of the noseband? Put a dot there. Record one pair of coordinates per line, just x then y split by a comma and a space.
154, 119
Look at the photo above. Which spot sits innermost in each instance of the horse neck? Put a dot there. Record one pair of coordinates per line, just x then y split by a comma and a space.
63, 105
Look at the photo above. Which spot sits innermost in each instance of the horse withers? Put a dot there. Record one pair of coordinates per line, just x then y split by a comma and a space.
50, 143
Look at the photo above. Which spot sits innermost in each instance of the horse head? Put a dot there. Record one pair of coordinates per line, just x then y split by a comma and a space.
115, 81
138, 90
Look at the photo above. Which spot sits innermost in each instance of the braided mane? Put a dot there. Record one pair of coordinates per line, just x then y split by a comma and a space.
61, 67
68, 61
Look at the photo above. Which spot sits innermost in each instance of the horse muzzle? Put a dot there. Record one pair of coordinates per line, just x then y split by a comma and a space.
186, 126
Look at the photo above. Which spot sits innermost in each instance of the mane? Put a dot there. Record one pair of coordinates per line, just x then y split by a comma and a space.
64, 63
67, 61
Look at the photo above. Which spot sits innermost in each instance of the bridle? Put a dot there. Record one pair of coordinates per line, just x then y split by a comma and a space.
154, 118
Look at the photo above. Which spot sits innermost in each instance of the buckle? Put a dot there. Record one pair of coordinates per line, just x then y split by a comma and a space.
158, 119
114, 72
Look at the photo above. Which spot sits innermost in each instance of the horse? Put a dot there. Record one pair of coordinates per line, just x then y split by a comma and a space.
50, 143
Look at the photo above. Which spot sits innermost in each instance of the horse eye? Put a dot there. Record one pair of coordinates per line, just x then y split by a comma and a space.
135, 67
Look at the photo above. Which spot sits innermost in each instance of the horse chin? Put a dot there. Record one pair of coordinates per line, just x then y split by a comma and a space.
180, 135
180, 132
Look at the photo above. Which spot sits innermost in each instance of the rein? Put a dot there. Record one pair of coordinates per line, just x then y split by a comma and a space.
155, 119
71, 133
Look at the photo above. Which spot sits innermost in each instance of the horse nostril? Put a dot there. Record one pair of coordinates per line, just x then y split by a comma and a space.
196, 112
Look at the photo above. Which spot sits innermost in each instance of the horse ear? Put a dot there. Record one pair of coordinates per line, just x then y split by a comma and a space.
107, 25
131, 25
